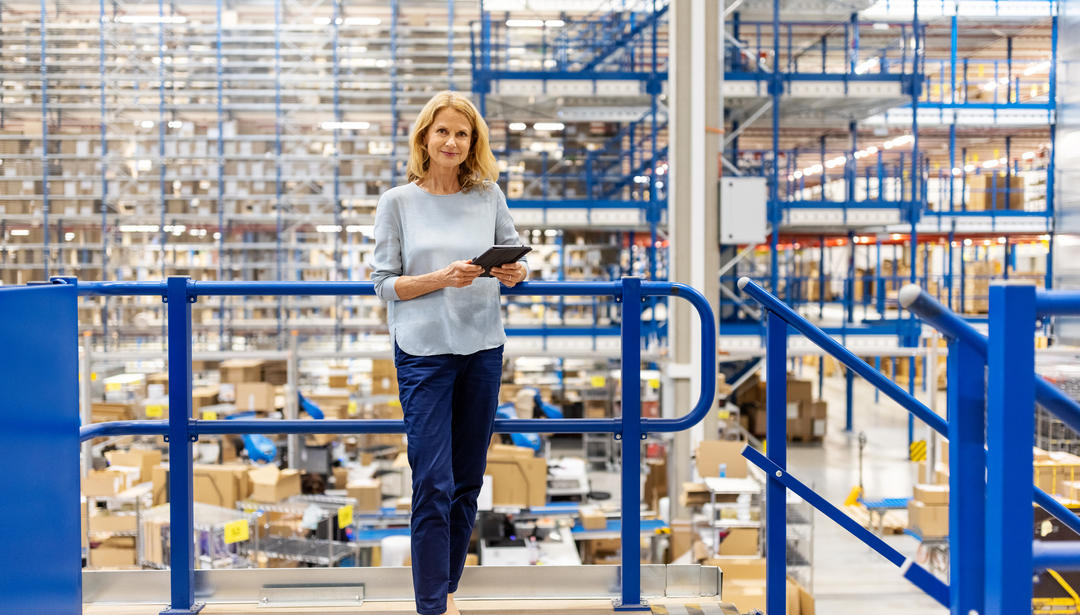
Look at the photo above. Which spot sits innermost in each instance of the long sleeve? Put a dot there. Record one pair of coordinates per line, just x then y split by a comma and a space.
387, 263
505, 232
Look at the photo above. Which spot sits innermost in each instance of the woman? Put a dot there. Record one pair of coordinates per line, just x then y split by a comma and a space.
446, 327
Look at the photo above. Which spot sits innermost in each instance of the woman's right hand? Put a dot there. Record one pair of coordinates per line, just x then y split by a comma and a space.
460, 274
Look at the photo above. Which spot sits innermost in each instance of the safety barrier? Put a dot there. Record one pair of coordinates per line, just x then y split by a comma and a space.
180, 430
992, 557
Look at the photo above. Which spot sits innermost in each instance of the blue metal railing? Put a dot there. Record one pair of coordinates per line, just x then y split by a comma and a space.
180, 430
989, 466
1003, 456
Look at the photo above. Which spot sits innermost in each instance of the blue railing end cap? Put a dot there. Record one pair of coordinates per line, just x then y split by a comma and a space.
908, 294
743, 281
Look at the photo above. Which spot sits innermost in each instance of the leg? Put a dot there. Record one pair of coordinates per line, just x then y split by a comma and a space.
476, 395
426, 385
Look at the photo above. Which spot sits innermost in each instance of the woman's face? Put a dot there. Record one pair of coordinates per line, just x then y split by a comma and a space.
448, 138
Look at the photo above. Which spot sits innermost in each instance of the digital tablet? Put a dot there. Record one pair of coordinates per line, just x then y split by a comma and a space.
496, 256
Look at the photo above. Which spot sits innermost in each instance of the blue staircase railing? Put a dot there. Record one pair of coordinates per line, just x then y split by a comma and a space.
180, 430
988, 507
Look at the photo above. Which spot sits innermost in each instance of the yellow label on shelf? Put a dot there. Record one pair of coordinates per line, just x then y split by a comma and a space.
209, 415
93, 376
236, 531
599, 381
724, 415
353, 409
155, 411
344, 516
112, 386
394, 402
654, 383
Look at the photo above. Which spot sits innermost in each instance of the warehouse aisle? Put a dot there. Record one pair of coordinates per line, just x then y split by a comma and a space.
849, 577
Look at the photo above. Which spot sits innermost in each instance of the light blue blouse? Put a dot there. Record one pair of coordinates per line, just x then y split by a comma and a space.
417, 232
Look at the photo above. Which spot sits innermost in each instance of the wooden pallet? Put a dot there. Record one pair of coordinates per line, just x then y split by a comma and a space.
894, 522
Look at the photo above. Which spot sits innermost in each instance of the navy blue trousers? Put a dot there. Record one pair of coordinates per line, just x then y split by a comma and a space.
449, 403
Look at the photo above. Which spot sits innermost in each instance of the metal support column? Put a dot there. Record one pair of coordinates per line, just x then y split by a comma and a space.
46, 255
181, 507
693, 79
220, 174
967, 478
631, 448
1010, 411
776, 450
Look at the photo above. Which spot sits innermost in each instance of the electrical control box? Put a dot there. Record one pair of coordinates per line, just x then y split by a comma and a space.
743, 209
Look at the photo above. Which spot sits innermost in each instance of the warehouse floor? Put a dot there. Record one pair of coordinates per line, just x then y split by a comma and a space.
849, 577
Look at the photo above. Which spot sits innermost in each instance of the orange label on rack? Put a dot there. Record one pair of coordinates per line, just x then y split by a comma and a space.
236, 531
344, 516
155, 411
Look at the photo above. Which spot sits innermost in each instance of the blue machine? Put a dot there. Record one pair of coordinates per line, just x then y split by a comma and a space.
509, 411
262, 449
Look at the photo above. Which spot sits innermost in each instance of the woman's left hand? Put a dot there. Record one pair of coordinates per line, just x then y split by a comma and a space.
509, 274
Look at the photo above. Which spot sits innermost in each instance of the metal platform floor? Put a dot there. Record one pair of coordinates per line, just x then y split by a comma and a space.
475, 607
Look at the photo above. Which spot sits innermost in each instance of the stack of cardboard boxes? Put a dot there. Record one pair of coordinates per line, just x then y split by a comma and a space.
744, 586
518, 476
806, 417
993, 191
928, 511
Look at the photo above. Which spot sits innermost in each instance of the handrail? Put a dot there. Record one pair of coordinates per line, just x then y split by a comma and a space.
923, 305
779, 318
179, 292
1001, 455
845, 356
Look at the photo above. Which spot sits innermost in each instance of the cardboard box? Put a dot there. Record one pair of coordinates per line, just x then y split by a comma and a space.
104, 483
711, 453
202, 397
519, 478
694, 494
341, 478
339, 381
682, 537
592, 518
160, 481
929, 521
799, 390
114, 552
741, 541
932, 495
112, 523
217, 485
255, 396
142, 458
103, 412
269, 484
242, 370
367, 493
384, 384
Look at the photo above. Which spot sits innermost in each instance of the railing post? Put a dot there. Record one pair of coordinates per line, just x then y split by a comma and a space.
776, 451
967, 477
1010, 422
181, 509
631, 448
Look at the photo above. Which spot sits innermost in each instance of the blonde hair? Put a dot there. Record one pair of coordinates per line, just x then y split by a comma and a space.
479, 165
